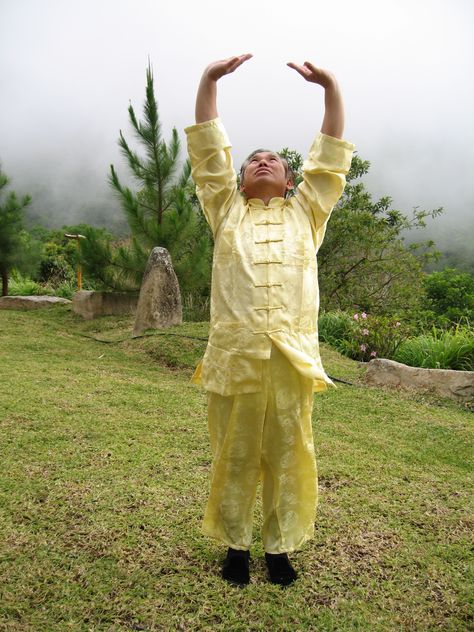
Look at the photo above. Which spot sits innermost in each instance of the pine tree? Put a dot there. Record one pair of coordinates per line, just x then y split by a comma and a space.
11, 231
160, 212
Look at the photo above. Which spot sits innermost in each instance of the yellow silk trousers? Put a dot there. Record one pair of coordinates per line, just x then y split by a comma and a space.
263, 436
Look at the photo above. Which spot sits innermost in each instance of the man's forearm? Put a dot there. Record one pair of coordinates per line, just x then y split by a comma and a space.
333, 122
206, 100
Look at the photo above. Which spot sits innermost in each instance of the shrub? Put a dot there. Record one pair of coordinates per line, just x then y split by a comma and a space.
374, 336
450, 295
362, 336
440, 349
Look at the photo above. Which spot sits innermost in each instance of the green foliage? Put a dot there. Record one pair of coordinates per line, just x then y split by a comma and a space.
20, 285
364, 262
374, 336
440, 349
336, 327
295, 163
59, 256
362, 336
196, 308
450, 296
162, 212
366, 336
112, 265
16, 247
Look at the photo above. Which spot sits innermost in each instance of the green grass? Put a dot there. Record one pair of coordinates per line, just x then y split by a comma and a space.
440, 349
105, 463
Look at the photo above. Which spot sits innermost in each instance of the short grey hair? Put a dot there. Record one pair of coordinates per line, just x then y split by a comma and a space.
288, 171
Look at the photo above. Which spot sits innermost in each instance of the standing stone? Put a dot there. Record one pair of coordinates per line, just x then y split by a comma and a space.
159, 303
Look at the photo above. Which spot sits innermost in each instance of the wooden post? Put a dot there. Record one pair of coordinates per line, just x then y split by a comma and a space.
79, 270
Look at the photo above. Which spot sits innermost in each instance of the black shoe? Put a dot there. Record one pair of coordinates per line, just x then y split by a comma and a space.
280, 569
236, 567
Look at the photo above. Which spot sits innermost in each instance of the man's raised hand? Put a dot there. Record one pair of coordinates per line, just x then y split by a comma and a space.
313, 74
218, 69
333, 122
206, 99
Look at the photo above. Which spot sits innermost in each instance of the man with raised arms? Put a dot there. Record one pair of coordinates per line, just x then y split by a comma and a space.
262, 362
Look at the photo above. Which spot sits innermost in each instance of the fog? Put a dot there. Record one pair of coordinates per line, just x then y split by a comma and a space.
70, 68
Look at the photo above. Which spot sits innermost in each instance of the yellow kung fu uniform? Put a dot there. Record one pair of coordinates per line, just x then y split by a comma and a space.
262, 361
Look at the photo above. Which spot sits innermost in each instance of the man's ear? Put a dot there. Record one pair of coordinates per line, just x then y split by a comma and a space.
289, 185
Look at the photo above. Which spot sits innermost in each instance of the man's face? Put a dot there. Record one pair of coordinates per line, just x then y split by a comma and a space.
265, 173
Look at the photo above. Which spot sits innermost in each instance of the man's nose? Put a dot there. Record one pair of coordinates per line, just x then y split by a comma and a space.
263, 161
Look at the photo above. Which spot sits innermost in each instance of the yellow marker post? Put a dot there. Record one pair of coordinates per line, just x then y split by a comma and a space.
79, 270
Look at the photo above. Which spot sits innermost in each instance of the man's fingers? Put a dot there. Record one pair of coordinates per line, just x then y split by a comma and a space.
234, 62
301, 69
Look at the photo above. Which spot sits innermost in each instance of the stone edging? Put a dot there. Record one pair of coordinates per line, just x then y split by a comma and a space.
457, 385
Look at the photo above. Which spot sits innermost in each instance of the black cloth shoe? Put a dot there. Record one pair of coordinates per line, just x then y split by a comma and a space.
236, 567
280, 569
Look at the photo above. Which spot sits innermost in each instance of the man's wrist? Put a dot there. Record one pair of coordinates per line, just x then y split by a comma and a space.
331, 85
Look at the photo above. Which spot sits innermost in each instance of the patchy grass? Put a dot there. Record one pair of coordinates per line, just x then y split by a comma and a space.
105, 463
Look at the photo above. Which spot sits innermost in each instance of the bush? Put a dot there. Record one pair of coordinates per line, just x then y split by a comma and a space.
374, 336
362, 336
450, 295
440, 349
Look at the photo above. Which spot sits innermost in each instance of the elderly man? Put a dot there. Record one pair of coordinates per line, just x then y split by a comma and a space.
262, 362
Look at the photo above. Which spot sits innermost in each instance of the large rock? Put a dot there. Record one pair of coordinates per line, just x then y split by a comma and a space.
457, 385
159, 303
31, 302
90, 304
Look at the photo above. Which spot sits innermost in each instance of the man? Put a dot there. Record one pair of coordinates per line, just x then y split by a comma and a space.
262, 361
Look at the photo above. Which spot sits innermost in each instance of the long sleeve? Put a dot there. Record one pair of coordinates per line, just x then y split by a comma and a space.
324, 179
212, 169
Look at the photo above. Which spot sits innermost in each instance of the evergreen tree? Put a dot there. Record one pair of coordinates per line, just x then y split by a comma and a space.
160, 212
12, 235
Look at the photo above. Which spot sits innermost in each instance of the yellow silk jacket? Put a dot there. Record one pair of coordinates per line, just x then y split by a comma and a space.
264, 275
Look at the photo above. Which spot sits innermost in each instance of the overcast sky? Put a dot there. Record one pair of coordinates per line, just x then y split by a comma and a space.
69, 68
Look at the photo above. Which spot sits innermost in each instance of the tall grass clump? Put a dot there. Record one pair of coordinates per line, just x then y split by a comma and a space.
336, 327
196, 308
439, 349
20, 285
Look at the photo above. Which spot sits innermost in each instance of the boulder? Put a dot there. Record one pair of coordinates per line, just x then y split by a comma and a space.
31, 302
90, 304
457, 385
159, 303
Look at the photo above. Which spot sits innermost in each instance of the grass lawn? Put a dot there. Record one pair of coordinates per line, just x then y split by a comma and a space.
103, 481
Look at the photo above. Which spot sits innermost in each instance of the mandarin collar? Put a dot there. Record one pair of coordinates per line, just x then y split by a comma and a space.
275, 202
